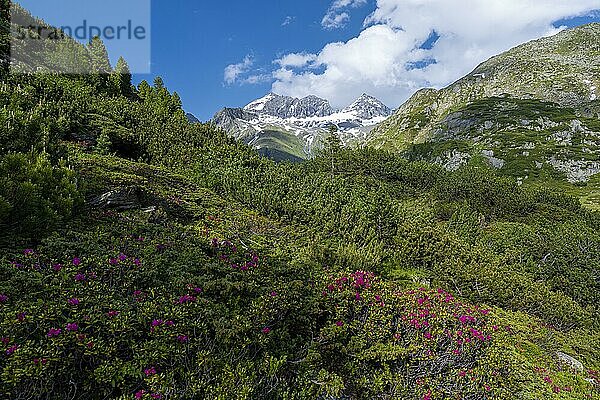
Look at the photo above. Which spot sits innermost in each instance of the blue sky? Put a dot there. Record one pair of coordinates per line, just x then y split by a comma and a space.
193, 42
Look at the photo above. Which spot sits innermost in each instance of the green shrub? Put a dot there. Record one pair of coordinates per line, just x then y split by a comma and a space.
35, 196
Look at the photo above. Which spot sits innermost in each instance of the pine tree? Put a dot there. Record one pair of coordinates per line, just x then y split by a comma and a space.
99, 56
333, 145
100, 63
103, 144
121, 79
144, 89
176, 102
158, 83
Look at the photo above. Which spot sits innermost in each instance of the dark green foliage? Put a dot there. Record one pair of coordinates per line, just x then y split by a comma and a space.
103, 144
121, 79
99, 56
34, 195
333, 144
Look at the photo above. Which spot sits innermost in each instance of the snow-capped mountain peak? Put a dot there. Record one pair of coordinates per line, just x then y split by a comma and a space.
259, 104
368, 107
290, 107
301, 123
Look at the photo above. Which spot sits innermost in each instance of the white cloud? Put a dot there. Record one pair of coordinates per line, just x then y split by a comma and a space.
335, 17
348, 3
378, 60
288, 20
257, 78
234, 71
244, 73
296, 60
334, 20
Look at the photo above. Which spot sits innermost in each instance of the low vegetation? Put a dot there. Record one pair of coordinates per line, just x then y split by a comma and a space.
222, 274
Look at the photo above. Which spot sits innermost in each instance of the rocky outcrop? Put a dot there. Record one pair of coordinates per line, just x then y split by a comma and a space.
367, 107
577, 171
120, 199
192, 118
569, 362
453, 160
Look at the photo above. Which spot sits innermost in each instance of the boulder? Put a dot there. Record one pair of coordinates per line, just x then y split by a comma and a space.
569, 361
120, 199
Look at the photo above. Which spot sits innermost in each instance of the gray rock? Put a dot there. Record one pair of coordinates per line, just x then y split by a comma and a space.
576, 126
453, 160
192, 118
290, 107
368, 107
569, 361
120, 199
495, 162
576, 171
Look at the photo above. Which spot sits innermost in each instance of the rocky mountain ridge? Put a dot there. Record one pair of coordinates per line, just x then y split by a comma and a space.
284, 127
531, 113
290, 107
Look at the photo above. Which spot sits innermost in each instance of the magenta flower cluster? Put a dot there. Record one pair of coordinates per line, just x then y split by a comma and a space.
357, 282
140, 395
226, 251
54, 332
187, 299
182, 338
72, 327
12, 349
73, 302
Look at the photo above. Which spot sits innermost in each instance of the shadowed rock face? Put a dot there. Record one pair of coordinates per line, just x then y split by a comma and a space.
227, 116
192, 118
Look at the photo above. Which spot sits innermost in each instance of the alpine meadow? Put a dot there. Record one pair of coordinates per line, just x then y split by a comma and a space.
295, 249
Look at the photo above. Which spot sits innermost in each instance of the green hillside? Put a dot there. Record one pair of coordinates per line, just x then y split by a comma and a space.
146, 257
532, 113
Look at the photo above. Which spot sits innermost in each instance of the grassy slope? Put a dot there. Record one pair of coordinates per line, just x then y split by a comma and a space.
187, 210
280, 146
524, 146
558, 69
